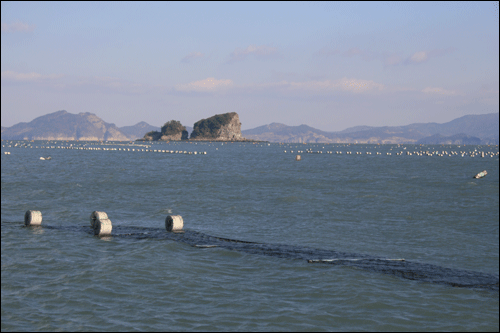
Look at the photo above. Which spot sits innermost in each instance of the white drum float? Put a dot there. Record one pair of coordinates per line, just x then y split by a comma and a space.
174, 223
101, 223
103, 227
32, 217
97, 216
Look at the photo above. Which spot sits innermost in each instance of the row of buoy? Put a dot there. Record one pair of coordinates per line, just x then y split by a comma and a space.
124, 149
100, 222
417, 153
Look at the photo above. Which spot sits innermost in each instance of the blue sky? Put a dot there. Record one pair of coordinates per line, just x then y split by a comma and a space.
325, 64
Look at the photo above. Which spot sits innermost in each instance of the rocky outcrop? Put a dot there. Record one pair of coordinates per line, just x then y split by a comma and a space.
151, 136
221, 127
174, 137
171, 131
62, 125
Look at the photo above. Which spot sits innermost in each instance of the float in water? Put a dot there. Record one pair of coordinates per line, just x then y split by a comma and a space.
481, 174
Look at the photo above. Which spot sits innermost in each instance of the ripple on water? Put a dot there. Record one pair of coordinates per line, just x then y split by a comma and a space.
427, 210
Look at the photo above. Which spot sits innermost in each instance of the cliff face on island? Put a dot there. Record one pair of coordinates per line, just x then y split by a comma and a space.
221, 127
62, 125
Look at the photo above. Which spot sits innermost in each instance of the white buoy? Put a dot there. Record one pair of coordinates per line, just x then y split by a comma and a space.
103, 227
174, 223
481, 174
95, 216
32, 217
298, 158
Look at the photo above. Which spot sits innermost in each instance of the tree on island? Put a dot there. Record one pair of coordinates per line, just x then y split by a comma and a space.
171, 130
173, 127
152, 136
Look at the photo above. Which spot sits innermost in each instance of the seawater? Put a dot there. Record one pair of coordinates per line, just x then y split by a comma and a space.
425, 209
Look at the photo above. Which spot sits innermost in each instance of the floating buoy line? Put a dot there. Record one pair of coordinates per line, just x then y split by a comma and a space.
93, 146
483, 151
402, 151
101, 226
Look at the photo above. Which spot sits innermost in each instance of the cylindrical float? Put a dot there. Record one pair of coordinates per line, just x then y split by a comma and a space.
174, 223
481, 174
97, 216
298, 158
103, 227
32, 217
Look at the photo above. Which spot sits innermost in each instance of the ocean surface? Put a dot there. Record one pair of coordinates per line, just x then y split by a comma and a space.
260, 231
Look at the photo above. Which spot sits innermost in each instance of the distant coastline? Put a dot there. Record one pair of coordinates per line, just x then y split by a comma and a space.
61, 125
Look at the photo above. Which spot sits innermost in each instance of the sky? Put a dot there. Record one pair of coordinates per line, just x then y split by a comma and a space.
329, 65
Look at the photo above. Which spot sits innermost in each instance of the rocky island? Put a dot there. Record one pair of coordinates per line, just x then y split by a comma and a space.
171, 130
221, 127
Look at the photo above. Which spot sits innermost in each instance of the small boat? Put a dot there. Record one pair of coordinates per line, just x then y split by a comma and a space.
481, 174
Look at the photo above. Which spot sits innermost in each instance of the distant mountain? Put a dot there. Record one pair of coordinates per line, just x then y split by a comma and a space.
138, 130
483, 127
356, 129
457, 139
277, 132
62, 125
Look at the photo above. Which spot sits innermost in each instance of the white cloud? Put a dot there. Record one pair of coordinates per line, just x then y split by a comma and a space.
423, 56
192, 56
27, 77
17, 27
356, 85
70, 83
208, 85
13, 76
419, 57
314, 87
327, 86
392, 60
106, 84
440, 91
259, 51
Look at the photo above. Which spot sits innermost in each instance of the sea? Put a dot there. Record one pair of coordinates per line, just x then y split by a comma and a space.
269, 242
